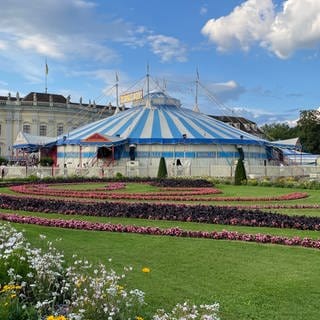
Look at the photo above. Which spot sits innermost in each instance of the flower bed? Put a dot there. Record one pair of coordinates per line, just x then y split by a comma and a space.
171, 194
173, 212
166, 195
176, 232
180, 183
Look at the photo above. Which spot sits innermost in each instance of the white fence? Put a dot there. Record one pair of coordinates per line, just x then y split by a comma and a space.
173, 171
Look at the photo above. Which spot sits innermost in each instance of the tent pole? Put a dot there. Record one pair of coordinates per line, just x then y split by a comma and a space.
80, 156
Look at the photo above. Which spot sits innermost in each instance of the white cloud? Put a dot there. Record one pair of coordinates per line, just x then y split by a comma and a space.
167, 48
245, 25
74, 31
108, 77
227, 85
50, 29
296, 26
203, 11
41, 45
84, 4
225, 91
3, 45
261, 116
31, 31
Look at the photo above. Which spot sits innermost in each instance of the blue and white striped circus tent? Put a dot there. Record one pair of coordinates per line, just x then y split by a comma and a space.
154, 127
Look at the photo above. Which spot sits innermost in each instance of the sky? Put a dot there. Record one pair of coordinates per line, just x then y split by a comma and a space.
255, 58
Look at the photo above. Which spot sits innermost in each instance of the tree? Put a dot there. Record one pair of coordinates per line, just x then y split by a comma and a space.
162, 172
46, 161
279, 131
240, 174
3, 161
309, 130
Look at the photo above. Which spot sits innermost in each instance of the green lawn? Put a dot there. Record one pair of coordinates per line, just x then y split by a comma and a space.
249, 280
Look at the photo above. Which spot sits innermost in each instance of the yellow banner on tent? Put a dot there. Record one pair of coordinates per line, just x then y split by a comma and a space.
132, 96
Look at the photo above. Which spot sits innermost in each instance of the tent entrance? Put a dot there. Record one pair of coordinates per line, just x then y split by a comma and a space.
105, 153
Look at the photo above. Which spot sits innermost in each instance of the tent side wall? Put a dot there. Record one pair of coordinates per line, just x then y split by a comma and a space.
147, 156
83, 155
205, 154
75, 155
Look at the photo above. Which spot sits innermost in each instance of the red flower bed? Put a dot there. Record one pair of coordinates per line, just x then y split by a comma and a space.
177, 232
186, 194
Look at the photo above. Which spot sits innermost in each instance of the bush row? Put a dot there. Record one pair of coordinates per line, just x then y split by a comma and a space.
180, 212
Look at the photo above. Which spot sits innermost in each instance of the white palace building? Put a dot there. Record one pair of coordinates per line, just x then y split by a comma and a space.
43, 115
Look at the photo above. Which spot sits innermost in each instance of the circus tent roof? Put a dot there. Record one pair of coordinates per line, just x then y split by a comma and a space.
160, 119
287, 143
32, 143
295, 156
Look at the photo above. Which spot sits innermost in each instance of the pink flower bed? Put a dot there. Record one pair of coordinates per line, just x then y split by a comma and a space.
176, 232
183, 195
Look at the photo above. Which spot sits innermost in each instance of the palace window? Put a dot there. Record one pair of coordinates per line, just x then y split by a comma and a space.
43, 130
59, 129
26, 128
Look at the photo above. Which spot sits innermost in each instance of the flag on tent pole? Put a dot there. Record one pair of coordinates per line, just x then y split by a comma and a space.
47, 69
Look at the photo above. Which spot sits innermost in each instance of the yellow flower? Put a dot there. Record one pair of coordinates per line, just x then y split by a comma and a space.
9, 287
13, 296
120, 288
6, 287
139, 318
146, 270
56, 318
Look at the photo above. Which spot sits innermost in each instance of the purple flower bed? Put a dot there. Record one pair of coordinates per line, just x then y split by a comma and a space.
181, 183
195, 213
176, 232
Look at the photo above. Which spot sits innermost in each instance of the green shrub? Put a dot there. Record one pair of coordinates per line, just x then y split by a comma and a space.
46, 162
119, 175
3, 161
162, 172
32, 178
240, 174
